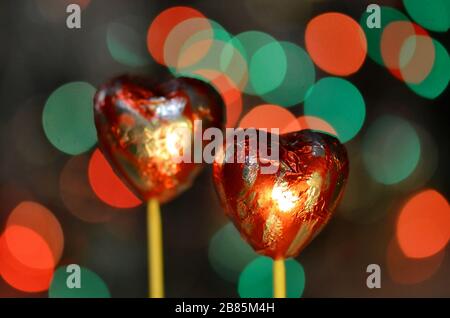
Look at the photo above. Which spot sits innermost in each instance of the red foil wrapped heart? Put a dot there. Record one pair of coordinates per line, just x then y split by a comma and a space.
278, 214
139, 123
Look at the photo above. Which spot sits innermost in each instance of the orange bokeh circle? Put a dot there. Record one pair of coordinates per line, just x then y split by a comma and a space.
336, 43
310, 122
407, 51
266, 117
188, 42
26, 260
107, 185
163, 24
423, 225
40, 220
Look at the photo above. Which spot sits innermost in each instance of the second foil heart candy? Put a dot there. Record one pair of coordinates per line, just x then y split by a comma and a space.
279, 213
140, 130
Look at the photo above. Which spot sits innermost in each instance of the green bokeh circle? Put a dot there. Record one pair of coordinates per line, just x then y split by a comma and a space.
228, 253
91, 285
268, 68
433, 15
339, 103
125, 45
391, 149
437, 80
264, 56
299, 78
68, 118
256, 281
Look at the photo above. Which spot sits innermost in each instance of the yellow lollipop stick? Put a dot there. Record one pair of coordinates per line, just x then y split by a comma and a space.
279, 279
155, 250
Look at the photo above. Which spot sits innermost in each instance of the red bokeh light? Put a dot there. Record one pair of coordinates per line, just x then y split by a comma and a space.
411, 63
26, 260
336, 43
40, 220
188, 42
107, 185
310, 122
423, 225
163, 24
268, 116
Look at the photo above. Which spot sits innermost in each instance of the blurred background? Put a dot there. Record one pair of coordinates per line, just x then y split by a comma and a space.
382, 91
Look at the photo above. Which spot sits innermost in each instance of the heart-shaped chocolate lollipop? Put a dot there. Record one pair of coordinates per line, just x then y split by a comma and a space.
279, 213
140, 130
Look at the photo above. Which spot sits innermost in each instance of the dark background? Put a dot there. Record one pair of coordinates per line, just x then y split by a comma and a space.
38, 54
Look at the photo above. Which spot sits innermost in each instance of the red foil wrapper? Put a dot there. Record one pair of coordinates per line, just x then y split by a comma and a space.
278, 214
140, 131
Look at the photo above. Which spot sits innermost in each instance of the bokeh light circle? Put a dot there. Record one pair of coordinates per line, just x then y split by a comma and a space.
26, 260
204, 50
28, 247
373, 35
423, 225
266, 76
339, 103
43, 222
234, 64
391, 149
438, 78
407, 51
107, 185
417, 57
125, 44
432, 15
228, 253
300, 76
68, 118
336, 43
256, 281
161, 26
92, 285
188, 42
202, 47
266, 117
253, 48
312, 123
392, 39
427, 165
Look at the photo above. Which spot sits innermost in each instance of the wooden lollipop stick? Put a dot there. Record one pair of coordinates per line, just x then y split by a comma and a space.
279, 279
155, 251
